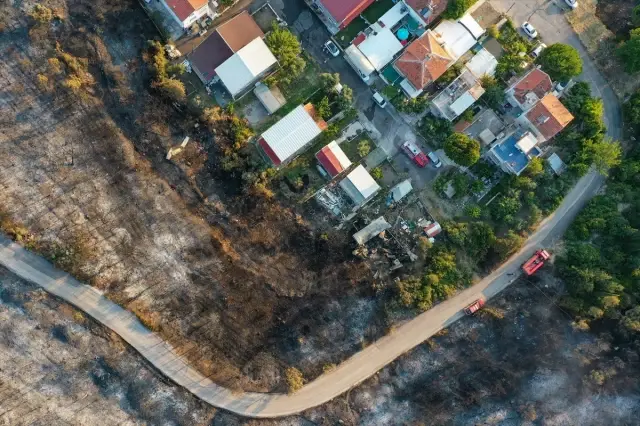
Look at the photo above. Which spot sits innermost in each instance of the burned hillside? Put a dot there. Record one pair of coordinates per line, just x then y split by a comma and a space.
238, 283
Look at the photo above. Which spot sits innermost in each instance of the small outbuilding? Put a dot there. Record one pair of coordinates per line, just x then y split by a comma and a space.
333, 160
359, 186
271, 98
372, 230
400, 191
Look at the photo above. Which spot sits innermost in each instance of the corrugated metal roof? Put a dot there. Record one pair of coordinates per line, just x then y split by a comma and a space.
371, 230
241, 69
333, 159
291, 134
359, 185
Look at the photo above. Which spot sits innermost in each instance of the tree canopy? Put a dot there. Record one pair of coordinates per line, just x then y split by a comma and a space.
462, 149
286, 48
560, 61
457, 8
629, 52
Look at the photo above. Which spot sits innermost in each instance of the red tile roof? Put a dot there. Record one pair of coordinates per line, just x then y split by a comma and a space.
437, 7
330, 158
240, 31
549, 116
537, 81
184, 8
423, 61
345, 11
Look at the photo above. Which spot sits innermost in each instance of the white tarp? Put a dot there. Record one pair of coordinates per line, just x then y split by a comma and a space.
247, 64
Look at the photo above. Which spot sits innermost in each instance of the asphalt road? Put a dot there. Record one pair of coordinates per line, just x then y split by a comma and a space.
366, 362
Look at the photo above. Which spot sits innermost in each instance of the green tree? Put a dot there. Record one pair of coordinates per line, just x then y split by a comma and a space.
535, 167
605, 154
493, 92
560, 61
376, 173
457, 8
286, 48
632, 110
481, 239
508, 245
323, 109
329, 81
435, 129
345, 98
506, 206
629, 52
576, 97
462, 149
474, 211
364, 148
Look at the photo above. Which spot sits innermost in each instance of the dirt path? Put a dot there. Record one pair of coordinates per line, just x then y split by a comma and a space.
347, 375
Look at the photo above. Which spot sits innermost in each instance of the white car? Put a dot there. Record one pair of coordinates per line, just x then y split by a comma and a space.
529, 30
538, 50
331, 48
379, 100
571, 3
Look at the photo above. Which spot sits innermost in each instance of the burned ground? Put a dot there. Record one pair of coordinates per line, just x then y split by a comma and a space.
616, 15
243, 288
523, 364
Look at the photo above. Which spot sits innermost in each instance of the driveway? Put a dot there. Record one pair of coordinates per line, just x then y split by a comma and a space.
548, 18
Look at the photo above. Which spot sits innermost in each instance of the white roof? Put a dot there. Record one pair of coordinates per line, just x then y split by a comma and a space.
271, 98
359, 185
291, 133
400, 191
394, 15
409, 89
241, 69
462, 103
455, 38
371, 230
471, 24
483, 63
360, 61
380, 48
556, 163
527, 142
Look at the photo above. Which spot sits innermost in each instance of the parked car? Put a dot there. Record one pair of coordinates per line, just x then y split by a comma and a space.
415, 153
434, 159
331, 48
474, 307
571, 3
538, 50
561, 85
379, 100
529, 30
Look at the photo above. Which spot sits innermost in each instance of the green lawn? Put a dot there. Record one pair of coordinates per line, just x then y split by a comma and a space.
345, 36
377, 9
350, 148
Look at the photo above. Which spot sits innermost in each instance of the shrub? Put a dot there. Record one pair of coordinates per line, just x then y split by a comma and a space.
171, 89
457, 8
295, 379
376, 173
41, 14
629, 52
364, 148
323, 109
462, 149
286, 48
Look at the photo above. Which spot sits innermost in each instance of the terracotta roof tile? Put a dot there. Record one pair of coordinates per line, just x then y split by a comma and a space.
437, 7
184, 8
240, 31
549, 116
423, 61
536, 81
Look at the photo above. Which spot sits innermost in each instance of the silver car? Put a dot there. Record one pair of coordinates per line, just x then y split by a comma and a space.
529, 30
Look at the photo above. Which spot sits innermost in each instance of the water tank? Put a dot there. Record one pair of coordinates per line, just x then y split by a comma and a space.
403, 34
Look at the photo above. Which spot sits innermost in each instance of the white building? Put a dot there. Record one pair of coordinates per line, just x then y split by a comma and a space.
186, 12
359, 186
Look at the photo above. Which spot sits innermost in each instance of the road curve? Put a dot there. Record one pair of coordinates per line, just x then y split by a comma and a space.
365, 363
350, 373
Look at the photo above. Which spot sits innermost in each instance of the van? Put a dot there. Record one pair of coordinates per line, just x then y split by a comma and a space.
379, 100
434, 159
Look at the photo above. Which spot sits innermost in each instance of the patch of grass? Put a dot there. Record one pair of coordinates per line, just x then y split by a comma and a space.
377, 9
345, 36
350, 148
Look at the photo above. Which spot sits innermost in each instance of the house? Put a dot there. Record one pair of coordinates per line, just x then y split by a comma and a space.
527, 91
514, 152
378, 45
457, 37
428, 10
186, 12
547, 118
421, 64
337, 14
483, 63
289, 136
333, 160
245, 67
359, 186
224, 41
463, 92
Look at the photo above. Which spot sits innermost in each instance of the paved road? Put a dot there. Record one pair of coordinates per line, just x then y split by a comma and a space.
357, 368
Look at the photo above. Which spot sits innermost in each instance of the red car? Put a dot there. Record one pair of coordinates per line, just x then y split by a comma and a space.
415, 154
474, 307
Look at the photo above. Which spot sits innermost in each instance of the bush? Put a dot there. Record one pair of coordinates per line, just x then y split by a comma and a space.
323, 109
286, 48
41, 14
364, 148
629, 52
295, 379
435, 130
457, 8
493, 95
171, 89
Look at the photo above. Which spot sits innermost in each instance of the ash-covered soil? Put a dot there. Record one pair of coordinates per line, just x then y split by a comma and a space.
245, 290
530, 367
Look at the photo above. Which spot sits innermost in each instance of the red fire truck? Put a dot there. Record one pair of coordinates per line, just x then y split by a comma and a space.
415, 153
535, 262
